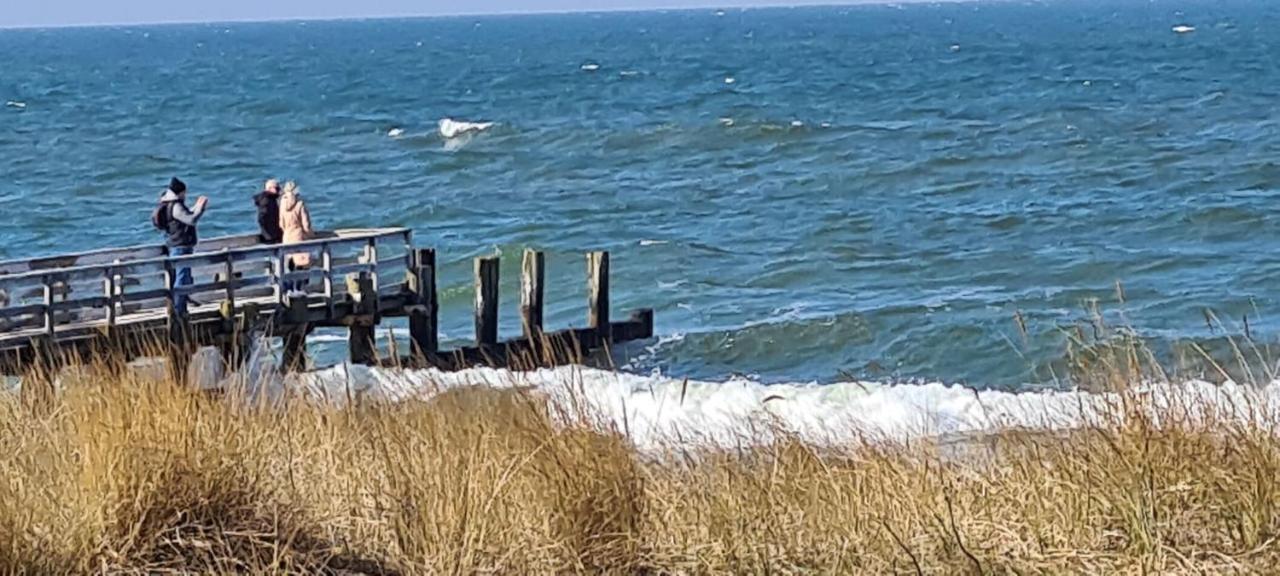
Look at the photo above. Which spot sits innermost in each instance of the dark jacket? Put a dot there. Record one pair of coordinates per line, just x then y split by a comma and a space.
179, 221
269, 231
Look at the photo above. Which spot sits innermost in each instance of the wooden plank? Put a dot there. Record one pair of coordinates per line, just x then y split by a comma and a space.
598, 293
346, 269
486, 270
532, 292
424, 311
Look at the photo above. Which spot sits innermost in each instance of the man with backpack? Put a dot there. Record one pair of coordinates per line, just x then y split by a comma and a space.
179, 226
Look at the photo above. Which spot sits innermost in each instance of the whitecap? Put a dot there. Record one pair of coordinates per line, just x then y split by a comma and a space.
726, 121
450, 128
16, 104
655, 408
797, 124
955, 47
730, 80
590, 67
628, 73
1183, 29
395, 132
654, 242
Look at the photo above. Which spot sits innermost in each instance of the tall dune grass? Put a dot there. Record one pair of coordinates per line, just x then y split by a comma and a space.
118, 473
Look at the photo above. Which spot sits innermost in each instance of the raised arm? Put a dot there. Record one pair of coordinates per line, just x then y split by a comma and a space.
187, 216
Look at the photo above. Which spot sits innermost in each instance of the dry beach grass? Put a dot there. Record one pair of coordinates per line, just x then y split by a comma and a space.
119, 473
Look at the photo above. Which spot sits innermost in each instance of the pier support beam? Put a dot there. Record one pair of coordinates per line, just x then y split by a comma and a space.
598, 294
295, 351
532, 293
424, 311
487, 301
295, 340
361, 335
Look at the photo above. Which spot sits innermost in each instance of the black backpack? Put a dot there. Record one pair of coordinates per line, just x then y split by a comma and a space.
160, 216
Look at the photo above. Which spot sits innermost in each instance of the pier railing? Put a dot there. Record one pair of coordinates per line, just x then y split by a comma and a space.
118, 303
85, 294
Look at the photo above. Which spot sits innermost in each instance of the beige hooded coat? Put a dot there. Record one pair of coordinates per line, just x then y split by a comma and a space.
295, 221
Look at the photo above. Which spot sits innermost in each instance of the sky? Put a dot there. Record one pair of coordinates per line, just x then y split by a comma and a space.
24, 13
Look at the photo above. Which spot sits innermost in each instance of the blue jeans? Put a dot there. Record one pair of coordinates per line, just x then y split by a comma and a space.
183, 278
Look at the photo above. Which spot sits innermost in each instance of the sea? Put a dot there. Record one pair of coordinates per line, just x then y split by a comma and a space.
894, 195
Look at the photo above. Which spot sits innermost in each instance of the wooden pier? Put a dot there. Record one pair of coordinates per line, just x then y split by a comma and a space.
119, 304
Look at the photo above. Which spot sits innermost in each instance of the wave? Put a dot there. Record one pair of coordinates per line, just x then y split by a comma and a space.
450, 128
655, 409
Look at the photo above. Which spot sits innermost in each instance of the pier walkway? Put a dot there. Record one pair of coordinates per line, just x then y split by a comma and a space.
119, 304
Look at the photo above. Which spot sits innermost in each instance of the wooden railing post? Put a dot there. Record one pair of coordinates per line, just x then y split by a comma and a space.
532, 292
49, 316
229, 270
598, 294
326, 263
486, 301
109, 292
423, 320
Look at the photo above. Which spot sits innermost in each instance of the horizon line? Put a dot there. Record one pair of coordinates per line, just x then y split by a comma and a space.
500, 13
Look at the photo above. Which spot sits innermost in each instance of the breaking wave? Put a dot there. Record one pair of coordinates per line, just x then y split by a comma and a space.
656, 409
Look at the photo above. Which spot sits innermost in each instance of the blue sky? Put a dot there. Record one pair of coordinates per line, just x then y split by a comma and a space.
85, 12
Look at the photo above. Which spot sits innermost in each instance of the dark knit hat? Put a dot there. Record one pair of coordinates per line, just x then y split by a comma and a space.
177, 186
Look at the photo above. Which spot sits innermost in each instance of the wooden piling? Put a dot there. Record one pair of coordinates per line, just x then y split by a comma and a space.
295, 351
486, 300
424, 309
598, 294
361, 336
177, 331
532, 292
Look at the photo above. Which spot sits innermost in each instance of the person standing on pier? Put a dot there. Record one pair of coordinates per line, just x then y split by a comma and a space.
295, 223
268, 203
179, 226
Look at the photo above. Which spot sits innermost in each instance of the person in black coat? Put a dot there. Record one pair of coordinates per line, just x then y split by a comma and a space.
268, 203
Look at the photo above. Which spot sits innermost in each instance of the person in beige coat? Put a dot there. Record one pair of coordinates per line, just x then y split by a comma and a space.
295, 222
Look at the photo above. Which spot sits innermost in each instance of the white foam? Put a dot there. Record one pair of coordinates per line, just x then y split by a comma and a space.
654, 409
590, 67
16, 104
395, 132
726, 121
730, 80
450, 128
797, 124
1183, 29
654, 242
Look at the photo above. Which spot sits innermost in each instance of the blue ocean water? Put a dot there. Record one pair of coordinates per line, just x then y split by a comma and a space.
800, 193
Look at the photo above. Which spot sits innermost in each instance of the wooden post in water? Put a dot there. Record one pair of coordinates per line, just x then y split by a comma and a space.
598, 294
532, 274
361, 337
487, 301
423, 311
